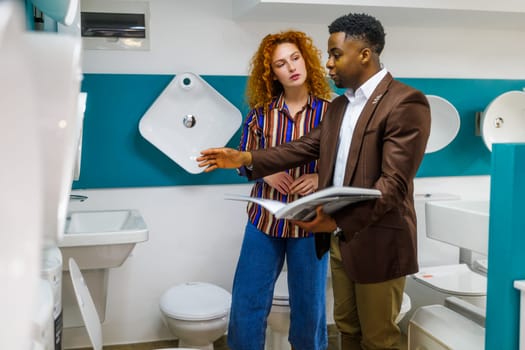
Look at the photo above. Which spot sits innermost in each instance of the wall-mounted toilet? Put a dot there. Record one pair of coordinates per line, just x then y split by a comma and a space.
440, 273
437, 327
279, 317
196, 313
437, 283
91, 318
441, 277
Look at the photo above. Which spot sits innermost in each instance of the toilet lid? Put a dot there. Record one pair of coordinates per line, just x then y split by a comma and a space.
195, 301
280, 292
453, 279
86, 305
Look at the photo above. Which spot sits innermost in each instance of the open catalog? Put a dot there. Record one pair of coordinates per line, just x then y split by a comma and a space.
303, 209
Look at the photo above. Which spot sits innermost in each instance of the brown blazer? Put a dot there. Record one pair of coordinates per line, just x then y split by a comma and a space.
387, 147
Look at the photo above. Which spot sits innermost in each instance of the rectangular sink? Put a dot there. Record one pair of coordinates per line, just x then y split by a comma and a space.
462, 223
103, 238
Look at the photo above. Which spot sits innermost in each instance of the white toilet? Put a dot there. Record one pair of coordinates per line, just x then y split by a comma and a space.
436, 327
196, 313
279, 317
88, 309
441, 276
440, 273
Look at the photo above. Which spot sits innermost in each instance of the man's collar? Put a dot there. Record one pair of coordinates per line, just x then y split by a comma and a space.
368, 87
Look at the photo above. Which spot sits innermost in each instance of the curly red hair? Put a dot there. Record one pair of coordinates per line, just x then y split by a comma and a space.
261, 87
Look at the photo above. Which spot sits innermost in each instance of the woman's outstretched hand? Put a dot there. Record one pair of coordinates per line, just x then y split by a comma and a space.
223, 158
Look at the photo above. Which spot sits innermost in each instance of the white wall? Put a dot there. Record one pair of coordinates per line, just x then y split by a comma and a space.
195, 234
201, 37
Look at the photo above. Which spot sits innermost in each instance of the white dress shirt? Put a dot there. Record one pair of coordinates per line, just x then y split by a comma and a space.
357, 101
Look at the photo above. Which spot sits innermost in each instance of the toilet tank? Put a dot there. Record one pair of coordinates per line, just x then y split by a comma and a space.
431, 252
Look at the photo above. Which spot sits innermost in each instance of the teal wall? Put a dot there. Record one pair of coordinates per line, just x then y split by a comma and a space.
114, 154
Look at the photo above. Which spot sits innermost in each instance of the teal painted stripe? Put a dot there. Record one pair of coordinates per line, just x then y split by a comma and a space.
30, 23
116, 155
506, 246
467, 154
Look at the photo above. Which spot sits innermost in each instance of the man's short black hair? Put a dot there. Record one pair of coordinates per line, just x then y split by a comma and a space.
362, 27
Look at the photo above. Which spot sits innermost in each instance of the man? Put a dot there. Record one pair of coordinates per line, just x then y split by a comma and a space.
373, 136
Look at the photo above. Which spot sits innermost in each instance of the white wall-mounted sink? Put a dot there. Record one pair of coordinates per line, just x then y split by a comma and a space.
444, 125
98, 240
188, 117
462, 223
503, 121
103, 238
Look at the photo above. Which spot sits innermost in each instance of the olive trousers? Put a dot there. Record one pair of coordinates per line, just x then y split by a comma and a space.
365, 314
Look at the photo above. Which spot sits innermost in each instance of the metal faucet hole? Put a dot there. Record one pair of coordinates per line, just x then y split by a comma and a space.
189, 120
498, 122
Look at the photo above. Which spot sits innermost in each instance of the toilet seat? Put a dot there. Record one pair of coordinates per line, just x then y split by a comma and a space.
86, 305
87, 308
195, 301
453, 279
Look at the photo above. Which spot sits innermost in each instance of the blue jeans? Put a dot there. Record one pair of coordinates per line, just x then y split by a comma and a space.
260, 262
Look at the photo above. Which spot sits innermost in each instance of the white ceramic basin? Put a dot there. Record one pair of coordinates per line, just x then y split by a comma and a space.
445, 123
462, 223
188, 117
102, 239
503, 121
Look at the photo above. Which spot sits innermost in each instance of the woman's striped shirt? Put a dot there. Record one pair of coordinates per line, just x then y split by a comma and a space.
275, 127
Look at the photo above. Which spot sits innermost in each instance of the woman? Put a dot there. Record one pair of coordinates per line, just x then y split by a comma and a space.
288, 94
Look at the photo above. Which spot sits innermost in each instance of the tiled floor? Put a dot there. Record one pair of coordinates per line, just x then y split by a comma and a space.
333, 343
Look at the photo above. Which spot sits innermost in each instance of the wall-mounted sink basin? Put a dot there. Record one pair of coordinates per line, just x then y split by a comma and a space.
462, 223
188, 117
503, 121
103, 238
97, 240
444, 125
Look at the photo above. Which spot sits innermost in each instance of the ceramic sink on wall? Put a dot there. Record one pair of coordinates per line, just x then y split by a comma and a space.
102, 238
188, 117
462, 223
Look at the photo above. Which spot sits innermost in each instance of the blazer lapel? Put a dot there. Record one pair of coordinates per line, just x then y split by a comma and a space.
360, 128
